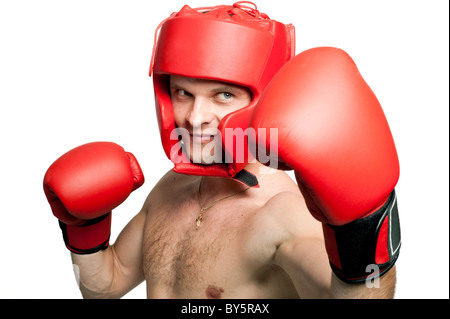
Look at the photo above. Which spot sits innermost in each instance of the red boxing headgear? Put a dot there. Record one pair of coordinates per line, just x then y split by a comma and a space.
235, 44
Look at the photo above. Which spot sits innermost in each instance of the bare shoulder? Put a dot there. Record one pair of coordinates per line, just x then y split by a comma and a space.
292, 215
288, 208
286, 202
172, 181
169, 187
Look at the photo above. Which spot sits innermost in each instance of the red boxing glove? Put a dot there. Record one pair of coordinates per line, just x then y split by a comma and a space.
332, 131
84, 185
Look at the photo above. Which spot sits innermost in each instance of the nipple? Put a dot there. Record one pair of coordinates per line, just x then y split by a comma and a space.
213, 292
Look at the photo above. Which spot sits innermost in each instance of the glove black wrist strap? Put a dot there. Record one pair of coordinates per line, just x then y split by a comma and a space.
367, 247
89, 237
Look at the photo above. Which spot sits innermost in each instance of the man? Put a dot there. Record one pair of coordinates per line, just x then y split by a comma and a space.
222, 224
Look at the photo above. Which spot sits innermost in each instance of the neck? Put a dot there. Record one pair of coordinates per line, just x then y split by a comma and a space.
215, 187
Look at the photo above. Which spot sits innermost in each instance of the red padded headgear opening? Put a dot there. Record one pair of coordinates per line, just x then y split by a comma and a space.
235, 44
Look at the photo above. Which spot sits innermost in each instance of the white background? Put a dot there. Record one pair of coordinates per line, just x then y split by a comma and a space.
73, 72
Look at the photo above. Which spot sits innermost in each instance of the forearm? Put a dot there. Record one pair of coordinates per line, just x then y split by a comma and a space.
383, 289
95, 274
113, 272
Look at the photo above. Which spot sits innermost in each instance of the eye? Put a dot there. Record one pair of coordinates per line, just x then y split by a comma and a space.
181, 94
224, 96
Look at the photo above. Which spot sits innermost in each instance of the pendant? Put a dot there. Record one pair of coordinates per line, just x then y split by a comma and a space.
199, 219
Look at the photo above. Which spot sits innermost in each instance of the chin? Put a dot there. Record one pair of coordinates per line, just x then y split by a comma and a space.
206, 153
201, 158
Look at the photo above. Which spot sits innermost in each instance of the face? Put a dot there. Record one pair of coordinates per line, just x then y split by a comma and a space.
199, 106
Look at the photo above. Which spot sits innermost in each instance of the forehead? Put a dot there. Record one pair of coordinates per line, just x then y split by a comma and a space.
178, 81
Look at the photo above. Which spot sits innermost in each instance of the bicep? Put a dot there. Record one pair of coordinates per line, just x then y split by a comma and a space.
301, 249
127, 253
306, 262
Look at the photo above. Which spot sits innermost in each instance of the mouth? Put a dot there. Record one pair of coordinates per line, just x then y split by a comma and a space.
202, 138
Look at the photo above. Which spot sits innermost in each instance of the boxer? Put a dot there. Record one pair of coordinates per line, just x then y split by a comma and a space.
227, 221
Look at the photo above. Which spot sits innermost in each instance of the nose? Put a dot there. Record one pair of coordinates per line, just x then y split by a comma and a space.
200, 112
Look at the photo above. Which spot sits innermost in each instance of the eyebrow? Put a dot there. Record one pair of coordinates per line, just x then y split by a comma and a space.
175, 86
228, 88
222, 88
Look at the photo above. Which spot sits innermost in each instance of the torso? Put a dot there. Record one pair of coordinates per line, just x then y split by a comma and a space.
230, 256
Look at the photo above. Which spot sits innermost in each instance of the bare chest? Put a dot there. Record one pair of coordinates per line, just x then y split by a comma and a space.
221, 255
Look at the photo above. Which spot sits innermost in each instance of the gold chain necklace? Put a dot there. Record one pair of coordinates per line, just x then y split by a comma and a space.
199, 219
203, 209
